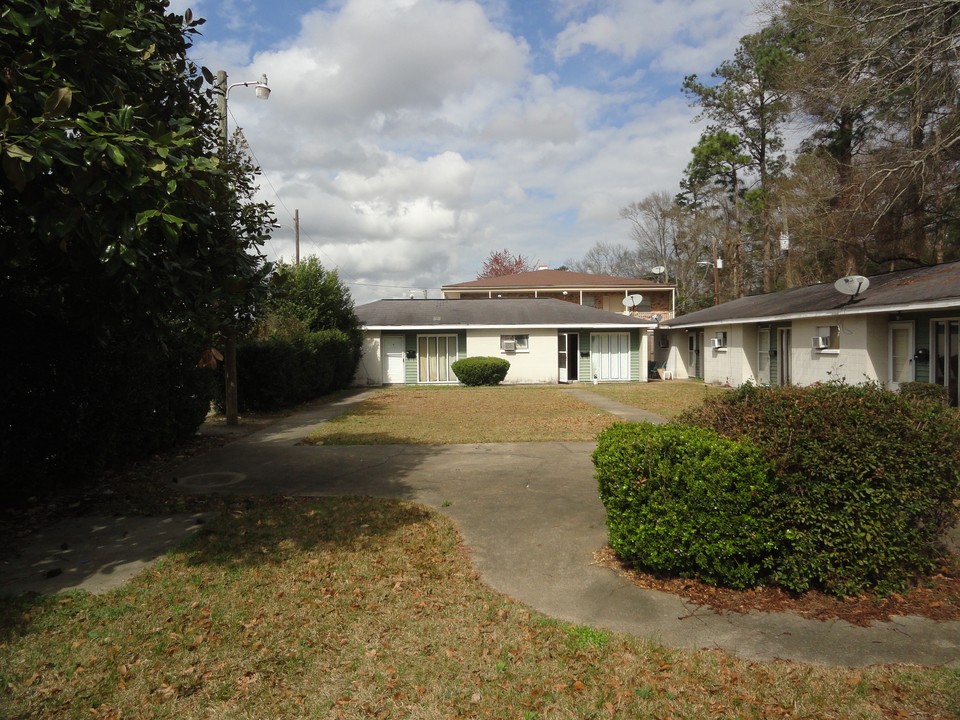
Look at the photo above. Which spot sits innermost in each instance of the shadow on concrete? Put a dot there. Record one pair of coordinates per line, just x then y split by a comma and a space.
96, 554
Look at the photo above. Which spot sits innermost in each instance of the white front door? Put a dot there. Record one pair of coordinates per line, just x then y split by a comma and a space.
763, 356
393, 363
900, 354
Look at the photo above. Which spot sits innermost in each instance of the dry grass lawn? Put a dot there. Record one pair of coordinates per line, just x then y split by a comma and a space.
365, 608
667, 398
457, 415
369, 608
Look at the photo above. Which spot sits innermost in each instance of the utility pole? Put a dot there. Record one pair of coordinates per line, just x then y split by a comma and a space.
296, 235
230, 335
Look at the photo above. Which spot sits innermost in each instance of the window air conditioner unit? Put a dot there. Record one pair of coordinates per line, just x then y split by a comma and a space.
716, 343
509, 345
821, 343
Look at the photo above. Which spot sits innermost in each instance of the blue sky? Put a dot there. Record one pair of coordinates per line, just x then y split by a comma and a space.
417, 136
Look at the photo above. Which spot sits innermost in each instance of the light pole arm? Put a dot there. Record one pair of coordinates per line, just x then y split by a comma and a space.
230, 337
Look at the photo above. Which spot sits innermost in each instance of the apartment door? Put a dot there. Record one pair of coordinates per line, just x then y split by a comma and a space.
900, 344
784, 344
763, 356
694, 343
562, 360
393, 362
945, 357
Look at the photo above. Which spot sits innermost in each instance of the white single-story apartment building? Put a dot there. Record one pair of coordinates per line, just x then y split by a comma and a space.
546, 341
897, 327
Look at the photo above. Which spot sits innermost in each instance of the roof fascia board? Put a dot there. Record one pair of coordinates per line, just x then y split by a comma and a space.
558, 288
953, 303
541, 326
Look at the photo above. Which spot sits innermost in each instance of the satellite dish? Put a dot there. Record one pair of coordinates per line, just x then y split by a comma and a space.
658, 270
628, 301
637, 299
852, 285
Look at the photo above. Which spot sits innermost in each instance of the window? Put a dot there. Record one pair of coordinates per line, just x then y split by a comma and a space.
514, 343
719, 340
436, 354
827, 338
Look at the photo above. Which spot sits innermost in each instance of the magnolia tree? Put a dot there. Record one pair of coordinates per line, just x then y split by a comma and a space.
128, 237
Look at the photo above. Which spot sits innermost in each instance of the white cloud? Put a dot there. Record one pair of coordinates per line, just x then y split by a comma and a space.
415, 137
654, 28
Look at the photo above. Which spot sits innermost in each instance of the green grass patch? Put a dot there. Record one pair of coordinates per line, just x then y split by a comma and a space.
355, 608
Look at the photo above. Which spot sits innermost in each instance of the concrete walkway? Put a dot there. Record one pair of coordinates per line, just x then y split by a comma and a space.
530, 515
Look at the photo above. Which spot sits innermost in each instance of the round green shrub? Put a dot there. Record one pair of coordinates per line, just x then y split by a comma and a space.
684, 501
868, 480
475, 371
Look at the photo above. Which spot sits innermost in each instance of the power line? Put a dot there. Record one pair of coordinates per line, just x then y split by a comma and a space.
282, 204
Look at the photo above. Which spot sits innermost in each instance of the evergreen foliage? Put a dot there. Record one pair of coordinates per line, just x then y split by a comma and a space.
838, 488
685, 501
474, 371
129, 242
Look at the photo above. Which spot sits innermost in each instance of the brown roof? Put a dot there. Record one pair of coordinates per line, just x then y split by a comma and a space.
557, 279
530, 312
925, 288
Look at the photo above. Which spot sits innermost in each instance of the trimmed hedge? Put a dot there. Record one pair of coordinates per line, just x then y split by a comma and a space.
476, 371
685, 501
925, 392
867, 480
277, 373
73, 407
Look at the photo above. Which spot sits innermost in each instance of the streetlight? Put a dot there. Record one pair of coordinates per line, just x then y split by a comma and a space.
717, 265
230, 339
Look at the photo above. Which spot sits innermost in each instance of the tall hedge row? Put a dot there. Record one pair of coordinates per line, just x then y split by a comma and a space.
277, 372
73, 407
862, 483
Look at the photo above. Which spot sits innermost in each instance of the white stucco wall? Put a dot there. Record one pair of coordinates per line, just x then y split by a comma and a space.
855, 361
676, 355
370, 368
863, 354
536, 365
734, 364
